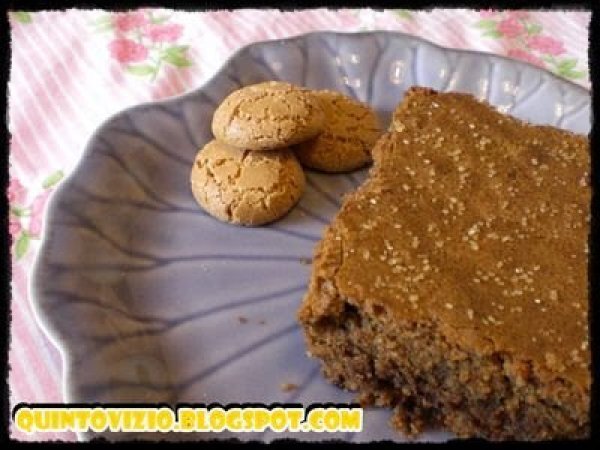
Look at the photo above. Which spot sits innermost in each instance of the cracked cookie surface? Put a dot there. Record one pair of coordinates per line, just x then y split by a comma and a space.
351, 130
268, 116
246, 187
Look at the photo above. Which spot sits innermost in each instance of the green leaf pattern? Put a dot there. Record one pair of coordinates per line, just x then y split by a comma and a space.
533, 29
492, 33
404, 14
486, 24
176, 56
52, 179
22, 16
141, 69
22, 245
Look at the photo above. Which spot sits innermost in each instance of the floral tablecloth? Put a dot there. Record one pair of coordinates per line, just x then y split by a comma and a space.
72, 69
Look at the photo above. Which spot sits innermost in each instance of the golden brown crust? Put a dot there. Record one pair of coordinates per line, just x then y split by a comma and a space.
350, 131
267, 116
473, 220
246, 187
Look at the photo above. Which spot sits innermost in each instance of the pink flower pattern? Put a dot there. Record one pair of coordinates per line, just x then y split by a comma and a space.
518, 15
25, 218
14, 226
164, 33
510, 27
143, 43
127, 51
16, 192
523, 55
37, 212
525, 40
547, 45
125, 22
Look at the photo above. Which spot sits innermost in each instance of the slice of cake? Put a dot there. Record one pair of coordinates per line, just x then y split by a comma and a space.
452, 285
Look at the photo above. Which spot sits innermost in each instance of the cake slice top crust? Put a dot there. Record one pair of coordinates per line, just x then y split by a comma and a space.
475, 221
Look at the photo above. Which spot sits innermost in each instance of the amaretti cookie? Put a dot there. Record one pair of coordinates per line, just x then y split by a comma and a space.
268, 116
351, 128
246, 187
